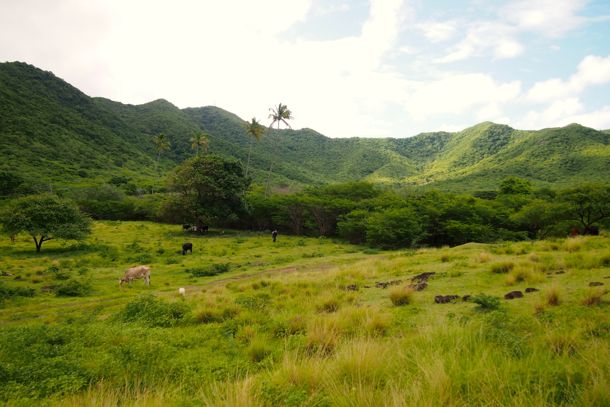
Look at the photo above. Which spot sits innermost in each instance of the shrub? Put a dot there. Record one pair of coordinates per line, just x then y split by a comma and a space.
593, 296
484, 257
210, 270
258, 350
72, 288
552, 296
8, 292
155, 312
486, 302
329, 305
401, 296
503, 267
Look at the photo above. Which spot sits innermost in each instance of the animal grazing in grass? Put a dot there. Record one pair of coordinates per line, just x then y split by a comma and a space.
182, 291
186, 227
187, 247
274, 235
136, 272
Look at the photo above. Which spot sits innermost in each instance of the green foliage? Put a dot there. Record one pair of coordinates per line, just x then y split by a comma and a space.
9, 183
211, 270
45, 217
486, 302
8, 292
394, 228
52, 133
209, 189
588, 204
72, 288
515, 185
155, 312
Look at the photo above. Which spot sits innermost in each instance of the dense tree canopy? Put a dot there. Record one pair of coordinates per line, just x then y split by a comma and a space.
208, 190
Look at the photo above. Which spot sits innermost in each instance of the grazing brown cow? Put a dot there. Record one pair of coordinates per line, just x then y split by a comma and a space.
136, 272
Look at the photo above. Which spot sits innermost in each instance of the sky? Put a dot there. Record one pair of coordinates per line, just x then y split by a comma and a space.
345, 68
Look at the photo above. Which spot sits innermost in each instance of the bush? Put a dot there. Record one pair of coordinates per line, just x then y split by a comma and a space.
552, 296
503, 267
401, 296
72, 288
486, 302
211, 270
8, 292
155, 312
258, 351
394, 228
593, 296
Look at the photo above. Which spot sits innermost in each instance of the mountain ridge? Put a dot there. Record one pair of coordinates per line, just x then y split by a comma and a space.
48, 126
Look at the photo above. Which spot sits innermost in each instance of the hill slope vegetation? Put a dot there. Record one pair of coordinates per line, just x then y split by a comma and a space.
50, 132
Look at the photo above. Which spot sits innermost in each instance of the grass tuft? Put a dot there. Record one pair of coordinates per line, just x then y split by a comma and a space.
401, 296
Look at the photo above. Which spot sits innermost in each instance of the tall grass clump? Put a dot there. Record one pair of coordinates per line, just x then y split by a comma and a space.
573, 244
401, 296
552, 296
502, 267
593, 296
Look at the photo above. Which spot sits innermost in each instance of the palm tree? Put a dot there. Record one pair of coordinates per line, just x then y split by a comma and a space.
161, 144
280, 115
256, 130
200, 141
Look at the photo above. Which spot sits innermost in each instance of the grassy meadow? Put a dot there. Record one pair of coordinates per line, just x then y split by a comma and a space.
301, 322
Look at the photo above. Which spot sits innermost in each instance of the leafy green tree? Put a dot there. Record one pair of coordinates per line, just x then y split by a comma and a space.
45, 217
9, 183
291, 212
200, 142
538, 217
352, 226
162, 144
280, 114
208, 189
394, 228
515, 185
255, 131
588, 204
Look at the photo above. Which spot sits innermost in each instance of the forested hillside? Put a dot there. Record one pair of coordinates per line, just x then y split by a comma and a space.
51, 133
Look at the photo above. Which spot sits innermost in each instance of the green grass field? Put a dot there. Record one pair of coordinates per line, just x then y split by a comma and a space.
301, 322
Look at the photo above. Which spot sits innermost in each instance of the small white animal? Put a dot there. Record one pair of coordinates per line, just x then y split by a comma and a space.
182, 291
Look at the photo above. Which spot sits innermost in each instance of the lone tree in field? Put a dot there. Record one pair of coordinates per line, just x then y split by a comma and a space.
45, 217
200, 142
279, 114
255, 131
208, 189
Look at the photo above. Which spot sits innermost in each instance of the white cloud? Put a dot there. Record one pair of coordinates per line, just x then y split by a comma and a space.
436, 31
592, 70
485, 37
460, 93
554, 115
548, 17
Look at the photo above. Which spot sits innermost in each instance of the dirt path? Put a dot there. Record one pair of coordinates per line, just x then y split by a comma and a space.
13, 314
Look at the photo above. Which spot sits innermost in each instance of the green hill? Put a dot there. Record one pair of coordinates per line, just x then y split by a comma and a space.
52, 133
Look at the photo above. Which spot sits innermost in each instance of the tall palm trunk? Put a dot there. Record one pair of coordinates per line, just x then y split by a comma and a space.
249, 152
268, 178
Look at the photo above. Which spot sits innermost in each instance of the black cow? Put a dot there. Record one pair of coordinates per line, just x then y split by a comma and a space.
187, 247
186, 227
